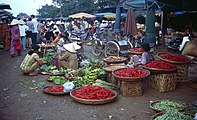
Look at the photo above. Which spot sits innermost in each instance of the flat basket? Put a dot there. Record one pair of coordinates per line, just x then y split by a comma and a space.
53, 93
157, 110
93, 102
123, 60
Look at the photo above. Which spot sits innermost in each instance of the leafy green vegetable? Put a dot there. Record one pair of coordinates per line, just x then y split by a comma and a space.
167, 105
174, 115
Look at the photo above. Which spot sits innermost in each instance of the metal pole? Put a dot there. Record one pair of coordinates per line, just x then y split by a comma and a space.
61, 8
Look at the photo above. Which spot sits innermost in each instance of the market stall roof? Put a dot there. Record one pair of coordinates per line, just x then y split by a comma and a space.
109, 15
4, 6
81, 15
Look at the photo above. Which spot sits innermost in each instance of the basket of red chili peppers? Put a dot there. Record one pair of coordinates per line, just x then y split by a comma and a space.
94, 95
159, 66
54, 90
173, 58
130, 74
137, 51
130, 80
181, 61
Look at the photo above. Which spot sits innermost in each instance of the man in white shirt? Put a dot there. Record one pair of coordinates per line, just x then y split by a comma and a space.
35, 30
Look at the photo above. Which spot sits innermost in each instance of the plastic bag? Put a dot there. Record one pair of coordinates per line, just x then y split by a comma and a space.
68, 86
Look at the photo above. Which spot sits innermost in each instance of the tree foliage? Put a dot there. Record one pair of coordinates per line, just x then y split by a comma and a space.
69, 7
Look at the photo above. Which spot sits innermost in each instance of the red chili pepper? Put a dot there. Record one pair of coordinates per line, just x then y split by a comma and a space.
174, 57
93, 92
140, 50
160, 65
130, 72
55, 89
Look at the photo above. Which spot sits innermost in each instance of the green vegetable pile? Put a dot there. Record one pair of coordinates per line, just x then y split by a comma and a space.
107, 85
58, 80
45, 68
49, 56
174, 115
166, 105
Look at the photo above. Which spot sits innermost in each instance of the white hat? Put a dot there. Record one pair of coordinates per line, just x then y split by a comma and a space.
21, 22
14, 22
70, 47
58, 22
76, 46
157, 24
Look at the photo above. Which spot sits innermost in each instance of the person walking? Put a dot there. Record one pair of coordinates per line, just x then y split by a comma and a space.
4, 32
30, 25
15, 38
35, 30
23, 28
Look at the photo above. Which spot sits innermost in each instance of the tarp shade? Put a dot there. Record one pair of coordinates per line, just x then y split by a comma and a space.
81, 15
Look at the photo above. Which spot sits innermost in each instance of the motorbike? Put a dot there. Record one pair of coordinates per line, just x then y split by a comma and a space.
175, 43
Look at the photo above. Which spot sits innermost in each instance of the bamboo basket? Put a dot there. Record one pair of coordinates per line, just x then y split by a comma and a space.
182, 69
130, 87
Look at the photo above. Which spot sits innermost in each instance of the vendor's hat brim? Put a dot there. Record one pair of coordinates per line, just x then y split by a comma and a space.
76, 46
21, 22
14, 22
70, 47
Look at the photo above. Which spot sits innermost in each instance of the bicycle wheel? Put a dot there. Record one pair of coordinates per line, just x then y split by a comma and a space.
111, 49
97, 48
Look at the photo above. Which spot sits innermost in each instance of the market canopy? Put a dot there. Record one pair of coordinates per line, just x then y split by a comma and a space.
109, 15
4, 6
81, 15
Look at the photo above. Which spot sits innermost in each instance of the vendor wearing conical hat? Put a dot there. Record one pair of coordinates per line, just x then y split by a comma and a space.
69, 58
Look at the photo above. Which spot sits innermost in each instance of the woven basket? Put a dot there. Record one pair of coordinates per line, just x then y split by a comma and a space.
123, 60
162, 82
182, 69
93, 102
161, 113
130, 86
109, 70
157, 101
53, 93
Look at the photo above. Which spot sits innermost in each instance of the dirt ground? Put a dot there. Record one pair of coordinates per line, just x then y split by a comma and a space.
20, 100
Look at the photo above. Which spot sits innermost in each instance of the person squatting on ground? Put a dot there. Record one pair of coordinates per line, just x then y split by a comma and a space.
69, 59
31, 62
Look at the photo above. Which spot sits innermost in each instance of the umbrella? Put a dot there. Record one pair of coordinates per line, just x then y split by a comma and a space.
150, 27
130, 23
117, 22
81, 15
4, 6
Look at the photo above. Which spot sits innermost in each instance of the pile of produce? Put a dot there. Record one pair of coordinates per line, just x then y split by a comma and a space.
48, 69
114, 59
130, 72
89, 77
160, 65
106, 85
174, 115
174, 57
49, 56
55, 89
166, 105
93, 93
137, 50
58, 80
70, 74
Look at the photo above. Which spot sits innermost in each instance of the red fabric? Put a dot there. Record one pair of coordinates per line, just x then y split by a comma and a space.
18, 46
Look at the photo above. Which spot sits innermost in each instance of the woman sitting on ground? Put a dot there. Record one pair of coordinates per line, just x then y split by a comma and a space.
31, 62
146, 56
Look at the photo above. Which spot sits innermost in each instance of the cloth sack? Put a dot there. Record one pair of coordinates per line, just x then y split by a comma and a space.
190, 48
18, 46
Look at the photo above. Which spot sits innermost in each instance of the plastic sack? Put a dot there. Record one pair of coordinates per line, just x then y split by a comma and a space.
68, 86
18, 46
